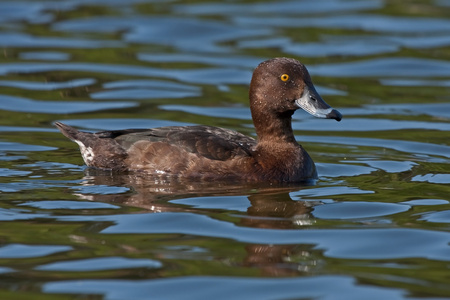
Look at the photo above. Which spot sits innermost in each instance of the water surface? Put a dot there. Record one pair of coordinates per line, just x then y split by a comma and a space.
375, 225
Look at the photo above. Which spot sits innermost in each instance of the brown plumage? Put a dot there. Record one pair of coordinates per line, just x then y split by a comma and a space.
278, 88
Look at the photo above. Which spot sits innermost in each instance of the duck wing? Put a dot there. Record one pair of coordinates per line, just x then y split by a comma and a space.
207, 141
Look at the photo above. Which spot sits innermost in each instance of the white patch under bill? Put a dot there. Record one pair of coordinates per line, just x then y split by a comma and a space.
86, 152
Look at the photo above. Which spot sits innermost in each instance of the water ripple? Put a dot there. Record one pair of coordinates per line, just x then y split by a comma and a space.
27, 40
399, 145
285, 7
440, 110
143, 30
146, 89
44, 55
218, 287
26, 251
216, 76
11, 103
99, 264
55, 204
117, 124
385, 67
47, 86
368, 22
349, 243
350, 45
357, 210
378, 214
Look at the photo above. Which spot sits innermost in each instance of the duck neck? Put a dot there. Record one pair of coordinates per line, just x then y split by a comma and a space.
273, 127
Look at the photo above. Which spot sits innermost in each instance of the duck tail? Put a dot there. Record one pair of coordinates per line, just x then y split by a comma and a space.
96, 151
70, 132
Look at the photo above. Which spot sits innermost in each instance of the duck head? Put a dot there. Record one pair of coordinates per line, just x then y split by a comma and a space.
280, 86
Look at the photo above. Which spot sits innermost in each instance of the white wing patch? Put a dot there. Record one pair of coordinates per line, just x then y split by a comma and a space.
86, 152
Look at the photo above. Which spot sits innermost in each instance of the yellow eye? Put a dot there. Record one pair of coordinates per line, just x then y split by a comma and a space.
284, 77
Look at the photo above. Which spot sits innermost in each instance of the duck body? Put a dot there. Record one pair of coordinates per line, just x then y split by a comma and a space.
197, 152
278, 88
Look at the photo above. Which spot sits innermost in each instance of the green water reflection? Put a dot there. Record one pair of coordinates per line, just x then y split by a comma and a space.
378, 216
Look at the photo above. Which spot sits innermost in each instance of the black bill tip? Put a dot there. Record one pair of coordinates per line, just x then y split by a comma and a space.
334, 114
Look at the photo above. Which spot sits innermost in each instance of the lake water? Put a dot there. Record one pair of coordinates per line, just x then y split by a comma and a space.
375, 226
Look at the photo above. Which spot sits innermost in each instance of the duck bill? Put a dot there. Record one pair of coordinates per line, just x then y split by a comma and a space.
312, 103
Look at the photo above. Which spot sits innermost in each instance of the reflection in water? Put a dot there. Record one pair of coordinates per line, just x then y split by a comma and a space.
383, 220
277, 210
149, 190
271, 207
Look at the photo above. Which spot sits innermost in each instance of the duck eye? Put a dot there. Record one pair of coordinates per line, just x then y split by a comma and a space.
284, 77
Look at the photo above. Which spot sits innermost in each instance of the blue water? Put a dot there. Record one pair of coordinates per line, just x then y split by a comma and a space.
374, 226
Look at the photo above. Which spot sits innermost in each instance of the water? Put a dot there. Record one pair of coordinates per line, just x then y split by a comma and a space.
375, 226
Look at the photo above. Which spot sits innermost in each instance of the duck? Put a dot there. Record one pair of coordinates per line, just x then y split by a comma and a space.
279, 87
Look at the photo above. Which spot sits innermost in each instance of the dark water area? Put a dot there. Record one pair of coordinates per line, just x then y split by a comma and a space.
376, 225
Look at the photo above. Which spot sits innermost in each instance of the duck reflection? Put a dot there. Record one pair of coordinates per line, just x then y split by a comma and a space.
270, 207
276, 210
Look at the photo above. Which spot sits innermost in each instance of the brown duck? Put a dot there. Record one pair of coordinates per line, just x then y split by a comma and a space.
278, 88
